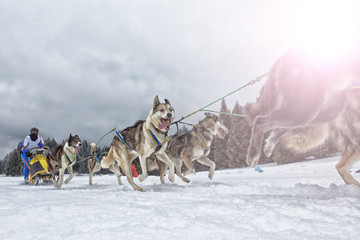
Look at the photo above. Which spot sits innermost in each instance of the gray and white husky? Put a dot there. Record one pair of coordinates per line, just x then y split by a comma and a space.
64, 157
193, 145
142, 140
308, 100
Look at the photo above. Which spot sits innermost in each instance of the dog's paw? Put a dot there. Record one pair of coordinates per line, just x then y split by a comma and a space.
268, 149
186, 180
119, 181
142, 177
252, 161
211, 175
171, 177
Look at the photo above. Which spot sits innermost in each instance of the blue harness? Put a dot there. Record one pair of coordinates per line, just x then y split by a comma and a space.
68, 158
118, 134
155, 140
159, 144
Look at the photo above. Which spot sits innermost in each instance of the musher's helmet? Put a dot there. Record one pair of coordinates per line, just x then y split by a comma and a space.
34, 130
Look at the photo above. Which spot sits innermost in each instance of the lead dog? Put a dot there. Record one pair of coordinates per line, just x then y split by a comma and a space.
307, 93
142, 140
193, 145
65, 158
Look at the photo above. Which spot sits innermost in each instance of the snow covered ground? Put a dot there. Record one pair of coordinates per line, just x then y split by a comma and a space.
306, 200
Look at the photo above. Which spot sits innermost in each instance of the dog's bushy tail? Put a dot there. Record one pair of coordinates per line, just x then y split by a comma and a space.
92, 148
304, 139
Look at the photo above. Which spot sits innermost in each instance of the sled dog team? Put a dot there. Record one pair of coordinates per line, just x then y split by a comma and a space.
145, 139
305, 102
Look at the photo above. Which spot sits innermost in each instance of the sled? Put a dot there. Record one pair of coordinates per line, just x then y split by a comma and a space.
38, 166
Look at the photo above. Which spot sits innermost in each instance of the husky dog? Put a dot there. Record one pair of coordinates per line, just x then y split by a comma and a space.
193, 145
142, 140
94, 163
65, 158
316, 95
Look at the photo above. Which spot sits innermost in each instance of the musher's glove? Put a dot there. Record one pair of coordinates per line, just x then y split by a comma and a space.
28, 154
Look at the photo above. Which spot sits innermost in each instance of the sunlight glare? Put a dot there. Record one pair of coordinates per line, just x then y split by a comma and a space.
327, 28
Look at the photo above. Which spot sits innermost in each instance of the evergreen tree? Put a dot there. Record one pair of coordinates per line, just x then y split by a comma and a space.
238, 140
245, 135
51, 143
2, 164
218, 149
14, 165
225, 117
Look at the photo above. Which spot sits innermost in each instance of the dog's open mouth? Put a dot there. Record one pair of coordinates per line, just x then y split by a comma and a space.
77, 149
164, 123
221, 134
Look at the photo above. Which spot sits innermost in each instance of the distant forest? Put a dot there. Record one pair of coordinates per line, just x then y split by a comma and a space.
226, 153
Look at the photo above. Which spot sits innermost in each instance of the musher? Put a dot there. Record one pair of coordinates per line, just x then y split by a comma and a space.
33, 140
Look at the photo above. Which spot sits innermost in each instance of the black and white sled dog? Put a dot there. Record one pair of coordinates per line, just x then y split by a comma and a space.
64, 157
309, 100
193, 145
142, 140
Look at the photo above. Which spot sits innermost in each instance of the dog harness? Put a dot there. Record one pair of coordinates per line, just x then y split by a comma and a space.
202, 142
118, 134
152, 135
68, 158
98, 156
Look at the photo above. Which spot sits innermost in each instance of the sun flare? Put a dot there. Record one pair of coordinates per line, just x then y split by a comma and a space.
327, 27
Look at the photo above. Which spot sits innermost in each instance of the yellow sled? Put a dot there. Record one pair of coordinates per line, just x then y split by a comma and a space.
39, 166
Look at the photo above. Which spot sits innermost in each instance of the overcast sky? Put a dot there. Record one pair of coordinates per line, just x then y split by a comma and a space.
84, 67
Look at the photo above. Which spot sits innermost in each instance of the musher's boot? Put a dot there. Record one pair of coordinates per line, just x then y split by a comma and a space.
26, 180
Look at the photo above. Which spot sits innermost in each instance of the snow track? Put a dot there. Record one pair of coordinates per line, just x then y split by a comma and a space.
305, 200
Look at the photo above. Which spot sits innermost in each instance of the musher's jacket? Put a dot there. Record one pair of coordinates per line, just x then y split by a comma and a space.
28, 144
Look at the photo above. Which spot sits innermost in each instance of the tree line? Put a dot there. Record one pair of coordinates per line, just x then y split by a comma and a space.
226, 153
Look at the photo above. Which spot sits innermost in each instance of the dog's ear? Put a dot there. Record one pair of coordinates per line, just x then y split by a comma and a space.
167, 101
69, 138
210, 115
156, 102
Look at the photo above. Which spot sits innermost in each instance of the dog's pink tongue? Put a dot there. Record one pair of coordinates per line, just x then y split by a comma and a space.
76, 150
163, 124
